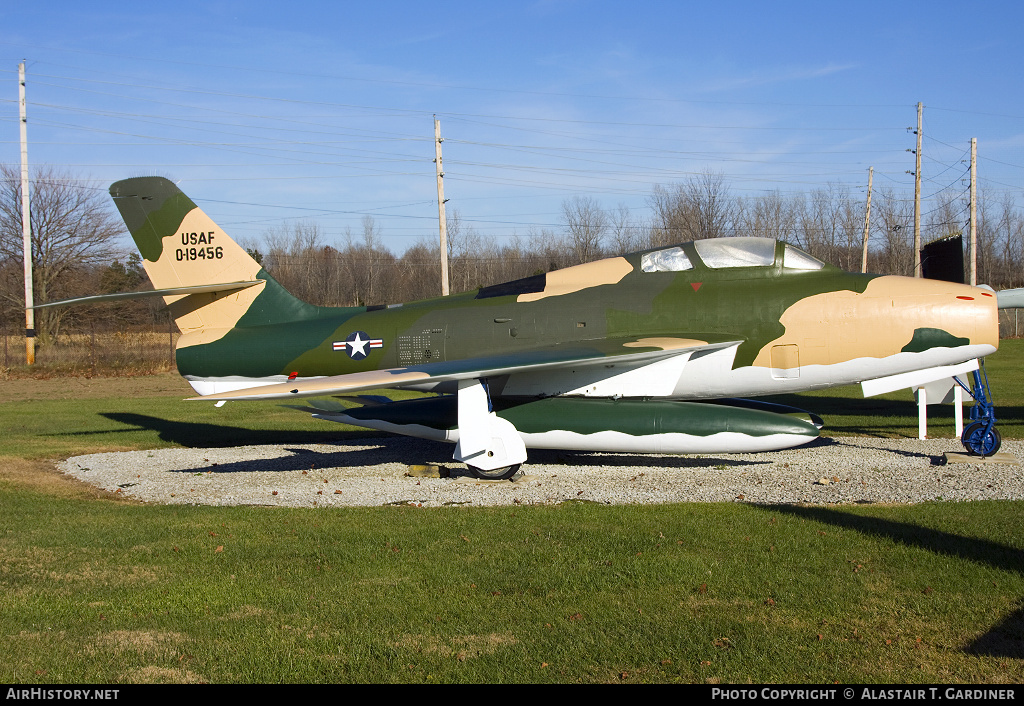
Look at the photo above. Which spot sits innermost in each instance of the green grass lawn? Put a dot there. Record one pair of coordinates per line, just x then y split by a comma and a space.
95, 589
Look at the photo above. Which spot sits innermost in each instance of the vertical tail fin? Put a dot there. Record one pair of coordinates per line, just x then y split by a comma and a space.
182, 247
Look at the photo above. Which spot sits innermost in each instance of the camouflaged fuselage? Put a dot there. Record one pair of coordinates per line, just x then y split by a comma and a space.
803, 322
793, 327
718, 318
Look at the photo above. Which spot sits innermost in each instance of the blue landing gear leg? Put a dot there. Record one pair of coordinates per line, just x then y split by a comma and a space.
980, 437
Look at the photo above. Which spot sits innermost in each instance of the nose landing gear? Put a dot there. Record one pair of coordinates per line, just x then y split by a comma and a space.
980, 437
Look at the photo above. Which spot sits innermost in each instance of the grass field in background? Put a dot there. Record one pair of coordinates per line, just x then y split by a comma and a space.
107, 353
96, 589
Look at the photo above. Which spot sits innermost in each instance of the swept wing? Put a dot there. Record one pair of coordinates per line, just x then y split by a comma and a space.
614, 356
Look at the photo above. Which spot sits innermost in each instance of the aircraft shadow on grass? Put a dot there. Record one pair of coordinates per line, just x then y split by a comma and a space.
199, 435
1005, 639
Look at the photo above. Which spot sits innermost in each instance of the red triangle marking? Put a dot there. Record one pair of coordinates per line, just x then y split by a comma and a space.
696, 285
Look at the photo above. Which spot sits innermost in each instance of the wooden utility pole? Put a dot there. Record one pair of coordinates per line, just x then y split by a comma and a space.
867, 224
442, 219
974, 211
917, 195
26, 225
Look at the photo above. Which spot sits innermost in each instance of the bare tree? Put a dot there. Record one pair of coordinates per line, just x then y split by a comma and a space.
73, 231
1010, 228
298, 259
671, 212
586, 224
418, 272
893, 223
372, 262
370, 277
696, 209
464, 253
947, 217
626, 231
851, 223
770, 215
711, 205
830, 226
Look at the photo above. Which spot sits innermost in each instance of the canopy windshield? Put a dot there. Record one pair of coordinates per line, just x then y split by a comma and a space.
667, 260
796, 259
718, 253
736, 252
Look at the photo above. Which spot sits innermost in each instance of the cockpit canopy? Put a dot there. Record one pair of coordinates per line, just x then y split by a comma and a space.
718, 253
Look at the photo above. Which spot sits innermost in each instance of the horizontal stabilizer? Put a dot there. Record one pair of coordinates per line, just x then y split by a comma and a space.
1011, 298
172, 292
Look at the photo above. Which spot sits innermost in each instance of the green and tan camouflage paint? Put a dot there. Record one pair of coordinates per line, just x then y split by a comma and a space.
882, 320
603, 308
181, 246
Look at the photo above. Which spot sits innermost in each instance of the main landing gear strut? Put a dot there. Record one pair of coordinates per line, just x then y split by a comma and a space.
980, 437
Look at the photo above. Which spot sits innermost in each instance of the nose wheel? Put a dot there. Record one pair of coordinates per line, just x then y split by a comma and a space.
503, 473
980, 437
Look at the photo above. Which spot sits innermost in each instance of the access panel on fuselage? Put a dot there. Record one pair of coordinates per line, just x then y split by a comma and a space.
426, 345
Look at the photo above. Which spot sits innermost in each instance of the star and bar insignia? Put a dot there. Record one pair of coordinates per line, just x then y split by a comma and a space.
358, 344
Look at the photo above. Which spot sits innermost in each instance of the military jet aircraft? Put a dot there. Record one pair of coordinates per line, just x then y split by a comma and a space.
644, 352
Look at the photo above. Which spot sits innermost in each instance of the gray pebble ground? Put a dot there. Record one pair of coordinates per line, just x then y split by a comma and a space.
374, 472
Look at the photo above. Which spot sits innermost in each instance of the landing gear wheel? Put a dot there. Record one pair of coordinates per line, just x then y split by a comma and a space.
503, 473
981, 440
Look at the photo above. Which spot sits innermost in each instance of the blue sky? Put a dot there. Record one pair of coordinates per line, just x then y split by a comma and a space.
323, 111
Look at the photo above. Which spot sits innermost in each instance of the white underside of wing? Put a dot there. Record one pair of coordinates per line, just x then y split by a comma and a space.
219, 385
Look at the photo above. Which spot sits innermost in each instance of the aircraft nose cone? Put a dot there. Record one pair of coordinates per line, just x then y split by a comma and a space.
892, 315
943, 314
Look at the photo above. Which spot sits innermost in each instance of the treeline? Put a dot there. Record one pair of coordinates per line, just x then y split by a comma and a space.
828, 223
75, 228
363, 271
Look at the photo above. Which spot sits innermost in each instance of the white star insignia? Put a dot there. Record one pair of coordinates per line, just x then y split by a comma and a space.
357, 345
